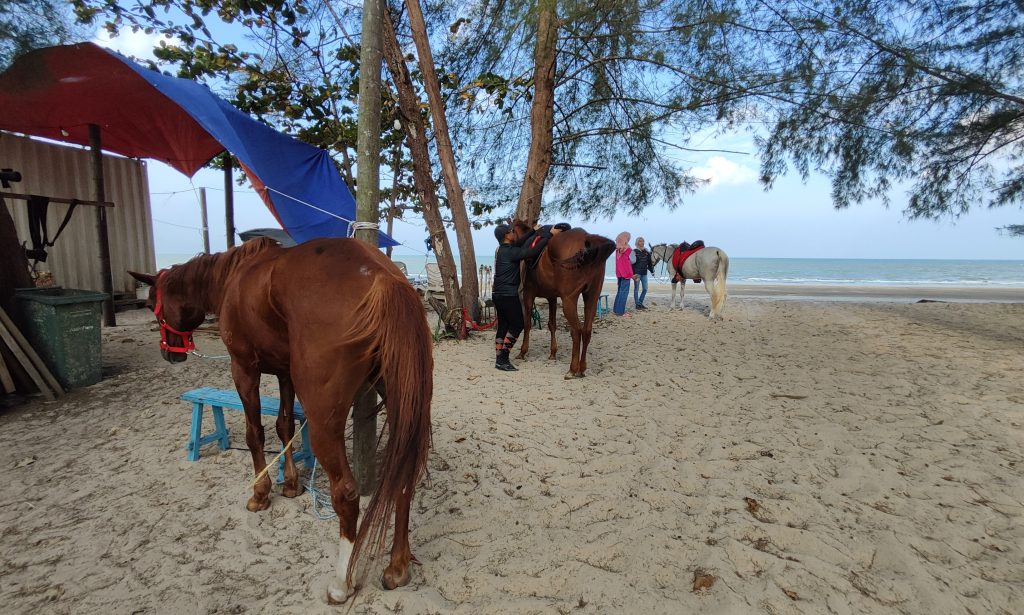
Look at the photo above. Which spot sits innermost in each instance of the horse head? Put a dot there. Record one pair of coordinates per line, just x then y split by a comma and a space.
520, 229
662, 252
177, 315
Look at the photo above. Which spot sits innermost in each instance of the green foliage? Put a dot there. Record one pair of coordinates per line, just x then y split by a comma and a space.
875, 93
30, 24
623, 111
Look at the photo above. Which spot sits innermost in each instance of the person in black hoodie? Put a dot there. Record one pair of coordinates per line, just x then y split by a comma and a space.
505, 291
642, 263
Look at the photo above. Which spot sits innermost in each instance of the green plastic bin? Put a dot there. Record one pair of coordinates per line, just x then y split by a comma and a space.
64, 327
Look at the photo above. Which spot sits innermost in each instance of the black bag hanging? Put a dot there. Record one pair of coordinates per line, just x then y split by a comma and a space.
39, 235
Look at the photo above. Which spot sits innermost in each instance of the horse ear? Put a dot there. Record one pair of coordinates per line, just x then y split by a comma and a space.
145, 278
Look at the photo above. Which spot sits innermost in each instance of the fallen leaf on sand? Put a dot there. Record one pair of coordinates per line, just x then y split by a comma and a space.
457, 440
26, 462
702, 580
787, 396
752, 505
473, 377
792, 594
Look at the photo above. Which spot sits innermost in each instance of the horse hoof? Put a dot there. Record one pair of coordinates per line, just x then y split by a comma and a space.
570, 376
292, 492
254, 505
521, 356
393, 577
338, 592
551, 358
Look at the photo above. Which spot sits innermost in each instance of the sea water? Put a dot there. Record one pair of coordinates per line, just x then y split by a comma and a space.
802, 271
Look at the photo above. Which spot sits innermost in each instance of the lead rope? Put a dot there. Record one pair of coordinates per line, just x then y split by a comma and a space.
196, 353
263, 472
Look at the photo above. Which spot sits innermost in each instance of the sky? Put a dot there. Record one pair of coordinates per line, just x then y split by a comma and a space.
792, 220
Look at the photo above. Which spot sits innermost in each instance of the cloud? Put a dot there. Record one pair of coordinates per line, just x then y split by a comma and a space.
719, 170
135, 44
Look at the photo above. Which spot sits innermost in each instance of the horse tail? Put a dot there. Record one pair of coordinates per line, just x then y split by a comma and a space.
396, 334
596, 249
718, 291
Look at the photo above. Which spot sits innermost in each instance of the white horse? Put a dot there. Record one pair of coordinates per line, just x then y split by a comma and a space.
710, 264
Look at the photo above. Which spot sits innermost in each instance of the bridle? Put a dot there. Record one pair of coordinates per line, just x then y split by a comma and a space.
186, 336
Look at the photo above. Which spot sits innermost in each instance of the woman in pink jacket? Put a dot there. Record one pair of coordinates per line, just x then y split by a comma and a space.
623, 272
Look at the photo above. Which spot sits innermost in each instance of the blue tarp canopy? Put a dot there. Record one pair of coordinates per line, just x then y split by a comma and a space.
58, 91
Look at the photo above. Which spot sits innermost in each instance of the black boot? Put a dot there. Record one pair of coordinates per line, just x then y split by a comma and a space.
502, 362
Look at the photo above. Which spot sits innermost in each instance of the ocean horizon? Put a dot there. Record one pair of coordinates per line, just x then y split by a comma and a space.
802, 271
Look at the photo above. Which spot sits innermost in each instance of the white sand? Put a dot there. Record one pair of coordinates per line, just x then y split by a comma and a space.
882, 443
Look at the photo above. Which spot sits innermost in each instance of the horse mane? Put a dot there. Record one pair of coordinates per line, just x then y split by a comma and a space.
203, 274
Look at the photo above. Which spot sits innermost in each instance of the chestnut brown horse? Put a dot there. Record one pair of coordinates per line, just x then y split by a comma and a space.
571, 265
327, 318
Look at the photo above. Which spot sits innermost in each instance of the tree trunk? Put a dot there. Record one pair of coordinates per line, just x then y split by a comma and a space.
416, 139
13, 264
364, 418
347, 167
368, 144
463, 234
542, 116
395, 171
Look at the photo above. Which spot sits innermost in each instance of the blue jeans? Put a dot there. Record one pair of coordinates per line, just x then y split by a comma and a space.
639, 300
621, 296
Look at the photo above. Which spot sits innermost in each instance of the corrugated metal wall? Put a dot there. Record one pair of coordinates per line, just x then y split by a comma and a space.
60, 171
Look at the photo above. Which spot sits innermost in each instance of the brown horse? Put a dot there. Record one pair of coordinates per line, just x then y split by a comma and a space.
572, 264
327, 318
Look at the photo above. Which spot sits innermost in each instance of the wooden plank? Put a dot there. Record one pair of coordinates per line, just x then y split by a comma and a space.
224, 398
37, 362
5, 377
56, 199
19, 354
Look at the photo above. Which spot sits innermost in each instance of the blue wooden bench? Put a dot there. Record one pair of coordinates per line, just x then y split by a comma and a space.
218, 399
602, 305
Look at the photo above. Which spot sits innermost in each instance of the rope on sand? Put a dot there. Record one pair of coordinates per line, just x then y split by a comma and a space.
323, 509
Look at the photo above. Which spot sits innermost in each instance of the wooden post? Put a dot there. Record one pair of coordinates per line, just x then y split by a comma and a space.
364, 419
229, 200
206, 225
99, 190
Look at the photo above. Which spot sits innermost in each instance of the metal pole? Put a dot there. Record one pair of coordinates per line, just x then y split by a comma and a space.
206, 224
364, 420
99, 194
229, 200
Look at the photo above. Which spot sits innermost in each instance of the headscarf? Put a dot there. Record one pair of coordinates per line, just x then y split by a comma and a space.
622, 241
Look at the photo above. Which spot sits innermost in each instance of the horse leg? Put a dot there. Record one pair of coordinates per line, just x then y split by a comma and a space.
247, 383
553, 326
327, 410
397, 573
682, 289
528, 299
286, 431
589, 313
672, 301
709, 285
569, 309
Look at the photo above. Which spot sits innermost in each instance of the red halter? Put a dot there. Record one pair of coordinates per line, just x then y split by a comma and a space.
186, 336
